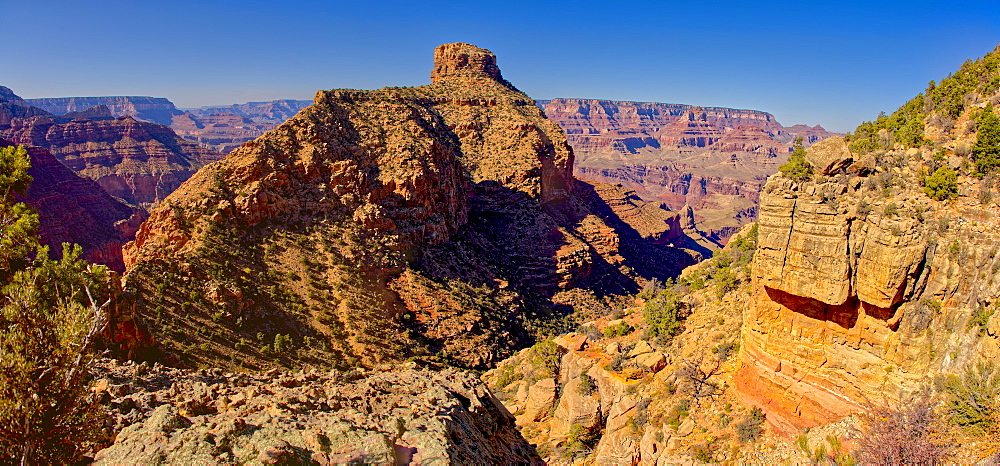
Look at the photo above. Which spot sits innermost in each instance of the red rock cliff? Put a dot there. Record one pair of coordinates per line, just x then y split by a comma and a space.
434, 220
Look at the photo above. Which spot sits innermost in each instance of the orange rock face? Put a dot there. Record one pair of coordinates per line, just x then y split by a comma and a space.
437, 219
854, 298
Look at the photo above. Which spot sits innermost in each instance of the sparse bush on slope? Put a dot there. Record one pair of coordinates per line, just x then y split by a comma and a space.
50, 314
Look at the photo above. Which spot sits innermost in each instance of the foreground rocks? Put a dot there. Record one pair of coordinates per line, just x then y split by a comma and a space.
405, 416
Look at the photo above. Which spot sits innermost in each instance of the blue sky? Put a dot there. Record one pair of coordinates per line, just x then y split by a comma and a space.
835, 64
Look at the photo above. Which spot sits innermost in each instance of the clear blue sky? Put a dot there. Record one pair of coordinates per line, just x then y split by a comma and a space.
832, 63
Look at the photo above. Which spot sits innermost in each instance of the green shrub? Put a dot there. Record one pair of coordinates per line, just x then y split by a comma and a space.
803, 442
681, 409
545, 358
942, 184
725, 350
725, 281
986, 152
506, 375
702, 453
980, 317
617, 330
751, 428
973, 398
51, 314
797, 167
890, 210
587, 386
663, 315
580, 441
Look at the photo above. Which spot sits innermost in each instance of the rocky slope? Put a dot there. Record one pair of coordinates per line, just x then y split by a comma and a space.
137, 161
399, 416
866, 287
627, 389
76, 210
226, 128
710, 158
152, 109
441, 222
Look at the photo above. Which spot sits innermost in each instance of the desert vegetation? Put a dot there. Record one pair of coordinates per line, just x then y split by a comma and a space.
52, 313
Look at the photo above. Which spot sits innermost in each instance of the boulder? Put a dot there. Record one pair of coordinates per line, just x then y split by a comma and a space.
576, 407
649, 447
830, 156
641, 347
655, 361
686, 428
572, 341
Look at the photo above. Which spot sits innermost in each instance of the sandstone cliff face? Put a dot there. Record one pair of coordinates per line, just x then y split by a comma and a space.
401, 416
710, 158
862, 296
136, 161
154, 109
76, 210
439, 220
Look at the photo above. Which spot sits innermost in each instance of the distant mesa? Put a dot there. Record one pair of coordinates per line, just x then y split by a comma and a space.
137, 161
224, 128
154, 109
713, 159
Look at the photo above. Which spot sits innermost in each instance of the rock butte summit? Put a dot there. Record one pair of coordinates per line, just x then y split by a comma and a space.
465, 61
434, 221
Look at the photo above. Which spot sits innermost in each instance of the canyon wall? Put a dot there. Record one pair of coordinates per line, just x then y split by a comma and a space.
154, 109
72, 209
711, 158
137, 161
225, 128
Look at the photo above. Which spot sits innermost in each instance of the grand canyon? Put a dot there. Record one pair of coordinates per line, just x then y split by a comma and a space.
455, 273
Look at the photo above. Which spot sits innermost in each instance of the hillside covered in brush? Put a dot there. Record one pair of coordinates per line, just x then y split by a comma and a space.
439, 221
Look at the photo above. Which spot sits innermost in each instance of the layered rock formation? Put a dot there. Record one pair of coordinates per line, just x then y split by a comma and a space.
153, 109
865, 287
275, 111
440, 221
73, 209
713, 159
226, 128
134, 160
618, 392
389, 417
